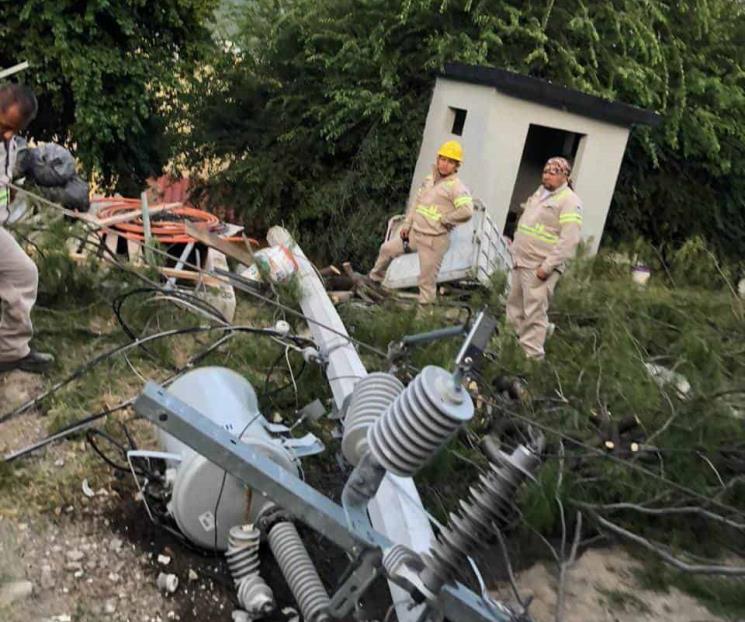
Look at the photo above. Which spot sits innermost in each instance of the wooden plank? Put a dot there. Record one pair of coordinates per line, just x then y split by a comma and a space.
190, 275
134, 251
134, 214
340, 296
112, 242
215, 241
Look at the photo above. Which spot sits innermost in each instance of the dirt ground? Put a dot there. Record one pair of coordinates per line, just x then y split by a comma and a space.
603, 587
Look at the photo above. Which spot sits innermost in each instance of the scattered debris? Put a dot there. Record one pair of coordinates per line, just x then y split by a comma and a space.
164, 560
87, 490
15, 591
167, 582
664, 376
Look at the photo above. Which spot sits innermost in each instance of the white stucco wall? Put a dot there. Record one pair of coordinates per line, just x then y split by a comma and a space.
493, 138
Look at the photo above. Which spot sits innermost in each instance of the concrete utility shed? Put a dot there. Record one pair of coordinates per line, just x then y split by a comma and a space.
511, 124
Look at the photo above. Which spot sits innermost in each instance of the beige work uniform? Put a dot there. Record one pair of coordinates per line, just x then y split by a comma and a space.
18, 275
547, 236
439, 205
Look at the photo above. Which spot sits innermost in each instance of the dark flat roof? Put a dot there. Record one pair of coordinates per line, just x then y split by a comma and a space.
548, 94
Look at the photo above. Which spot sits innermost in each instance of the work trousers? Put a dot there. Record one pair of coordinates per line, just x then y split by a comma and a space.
19, 279
527, 308
430, 248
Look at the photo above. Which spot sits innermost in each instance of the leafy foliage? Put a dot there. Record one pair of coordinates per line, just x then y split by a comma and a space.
313, 115
104, 72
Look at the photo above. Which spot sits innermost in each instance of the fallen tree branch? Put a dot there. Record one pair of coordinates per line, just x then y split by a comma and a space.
657, 549
565, 565
663, 511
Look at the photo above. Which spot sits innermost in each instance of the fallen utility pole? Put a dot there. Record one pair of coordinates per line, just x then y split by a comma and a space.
396, 511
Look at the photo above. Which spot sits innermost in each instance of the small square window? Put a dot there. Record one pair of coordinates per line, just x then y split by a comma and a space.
459, 120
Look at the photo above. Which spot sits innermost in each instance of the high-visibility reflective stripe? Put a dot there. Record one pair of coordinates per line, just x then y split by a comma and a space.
562, 194
460, 201
539, 233
565, 218
4, 195
430, 212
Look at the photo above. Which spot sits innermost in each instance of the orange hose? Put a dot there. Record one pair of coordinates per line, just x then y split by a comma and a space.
162, 229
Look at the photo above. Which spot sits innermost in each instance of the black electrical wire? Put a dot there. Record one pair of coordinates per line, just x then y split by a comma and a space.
88, 421
120, 300
137, 343
93, 432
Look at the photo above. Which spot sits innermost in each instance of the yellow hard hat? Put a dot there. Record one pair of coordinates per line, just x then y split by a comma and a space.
451, 149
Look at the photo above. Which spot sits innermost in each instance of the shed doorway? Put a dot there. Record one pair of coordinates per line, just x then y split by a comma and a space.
541, 144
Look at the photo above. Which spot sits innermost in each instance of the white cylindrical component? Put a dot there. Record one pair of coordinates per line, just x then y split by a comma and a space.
167, 582
243, 551
419, 422
371, 397
255, 596
206, 502
299, 572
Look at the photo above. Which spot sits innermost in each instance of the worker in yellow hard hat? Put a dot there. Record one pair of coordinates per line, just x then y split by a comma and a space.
441, 203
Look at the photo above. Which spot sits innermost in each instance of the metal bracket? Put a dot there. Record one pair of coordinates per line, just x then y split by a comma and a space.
356, 581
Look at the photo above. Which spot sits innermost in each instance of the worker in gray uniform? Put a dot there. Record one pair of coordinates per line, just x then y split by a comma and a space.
18, 274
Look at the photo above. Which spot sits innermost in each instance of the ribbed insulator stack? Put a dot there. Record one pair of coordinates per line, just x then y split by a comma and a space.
254, 595
421, 420
299, 572
371, 397
243, 551
490, 505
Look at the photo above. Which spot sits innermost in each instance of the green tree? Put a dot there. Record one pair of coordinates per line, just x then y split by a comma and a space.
314, 115
105, 72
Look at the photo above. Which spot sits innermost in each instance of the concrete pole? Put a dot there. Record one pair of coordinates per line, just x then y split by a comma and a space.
396, 511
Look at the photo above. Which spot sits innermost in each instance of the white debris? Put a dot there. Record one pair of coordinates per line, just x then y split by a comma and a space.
167, 582
164, 560
292, 614
47, 578
87, 490
15, 591
664, 376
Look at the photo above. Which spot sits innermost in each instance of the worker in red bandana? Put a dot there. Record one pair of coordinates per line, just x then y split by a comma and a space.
546, 238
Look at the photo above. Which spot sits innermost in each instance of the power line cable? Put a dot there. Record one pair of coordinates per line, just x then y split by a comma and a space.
135, 344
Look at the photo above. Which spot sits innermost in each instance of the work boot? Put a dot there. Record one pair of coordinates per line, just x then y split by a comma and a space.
34, 363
